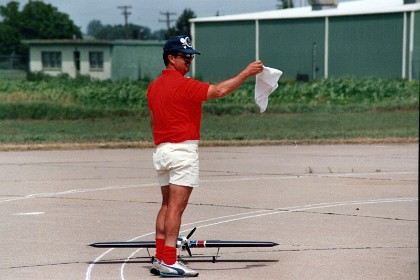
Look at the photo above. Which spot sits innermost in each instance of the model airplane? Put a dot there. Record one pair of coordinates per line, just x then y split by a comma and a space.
184, 243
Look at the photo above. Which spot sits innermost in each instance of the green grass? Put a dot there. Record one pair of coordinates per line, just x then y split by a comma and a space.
12, 75
312, 126
90, 130
64, 98
62, 110
298, 127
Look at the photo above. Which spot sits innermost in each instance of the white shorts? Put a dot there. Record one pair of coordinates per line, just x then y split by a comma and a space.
177, 163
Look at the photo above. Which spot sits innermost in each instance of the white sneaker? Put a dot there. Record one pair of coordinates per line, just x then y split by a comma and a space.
155, 267
177, 269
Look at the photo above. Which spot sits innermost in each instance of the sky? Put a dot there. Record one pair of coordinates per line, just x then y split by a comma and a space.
148, 12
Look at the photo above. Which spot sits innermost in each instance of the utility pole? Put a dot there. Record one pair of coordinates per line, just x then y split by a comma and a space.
168, 19
126, 13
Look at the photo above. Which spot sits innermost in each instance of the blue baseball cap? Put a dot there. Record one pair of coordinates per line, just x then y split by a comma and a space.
179, 44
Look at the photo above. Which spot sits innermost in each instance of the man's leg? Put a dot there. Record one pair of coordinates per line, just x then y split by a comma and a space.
160, 223
160, 231
177, 202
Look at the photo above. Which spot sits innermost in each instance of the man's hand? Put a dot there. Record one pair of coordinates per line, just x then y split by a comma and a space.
254, 68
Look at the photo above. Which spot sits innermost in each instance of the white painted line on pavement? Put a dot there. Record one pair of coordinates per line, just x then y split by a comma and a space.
280, 211
273, 177
29, 214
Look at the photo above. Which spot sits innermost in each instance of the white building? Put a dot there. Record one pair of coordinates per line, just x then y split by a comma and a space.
72, 57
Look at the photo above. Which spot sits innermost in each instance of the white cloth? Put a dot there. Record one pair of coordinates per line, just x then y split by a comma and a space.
265, 84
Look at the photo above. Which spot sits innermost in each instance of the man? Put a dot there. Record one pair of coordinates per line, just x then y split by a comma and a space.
175, 104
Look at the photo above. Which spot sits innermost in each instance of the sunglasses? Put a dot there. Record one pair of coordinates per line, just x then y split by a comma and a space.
186, 56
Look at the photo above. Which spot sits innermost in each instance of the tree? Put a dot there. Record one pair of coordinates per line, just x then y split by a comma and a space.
93, 27
285, 4
182, 26
37, 20
43, 21
9, 40
10, 14
183, 23
117, 32
158, 34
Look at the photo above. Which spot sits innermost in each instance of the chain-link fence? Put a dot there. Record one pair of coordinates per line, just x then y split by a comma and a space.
13, 62
13, 66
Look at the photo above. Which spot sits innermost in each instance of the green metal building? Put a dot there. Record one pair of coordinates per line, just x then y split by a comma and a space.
135, 60
370, 38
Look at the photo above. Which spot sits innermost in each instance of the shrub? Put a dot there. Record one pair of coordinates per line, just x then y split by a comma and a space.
61, 97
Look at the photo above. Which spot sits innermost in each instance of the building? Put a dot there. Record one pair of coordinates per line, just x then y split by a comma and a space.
72, 57
370, 38
137, 60
98, 59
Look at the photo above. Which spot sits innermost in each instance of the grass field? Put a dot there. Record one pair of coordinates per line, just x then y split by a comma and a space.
82, 111
303, 127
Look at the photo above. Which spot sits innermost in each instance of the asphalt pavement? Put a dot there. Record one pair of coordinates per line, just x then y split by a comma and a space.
336, 211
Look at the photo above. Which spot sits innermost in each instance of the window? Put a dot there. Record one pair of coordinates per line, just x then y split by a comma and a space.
76, 58
51, 60
96, 60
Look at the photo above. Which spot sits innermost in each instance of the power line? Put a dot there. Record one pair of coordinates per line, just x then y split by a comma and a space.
126, 13
168, 19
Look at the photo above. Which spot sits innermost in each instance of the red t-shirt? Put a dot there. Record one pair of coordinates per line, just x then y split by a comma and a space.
175, 102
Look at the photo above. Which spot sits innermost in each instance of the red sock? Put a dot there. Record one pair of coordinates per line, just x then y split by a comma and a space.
160, 243
169, 255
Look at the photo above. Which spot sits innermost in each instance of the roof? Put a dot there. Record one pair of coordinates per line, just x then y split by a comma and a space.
67, 42
92, 42
137, 43
343, 9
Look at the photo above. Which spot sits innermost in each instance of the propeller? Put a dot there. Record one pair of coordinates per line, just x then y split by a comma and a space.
185, 242
191, 233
